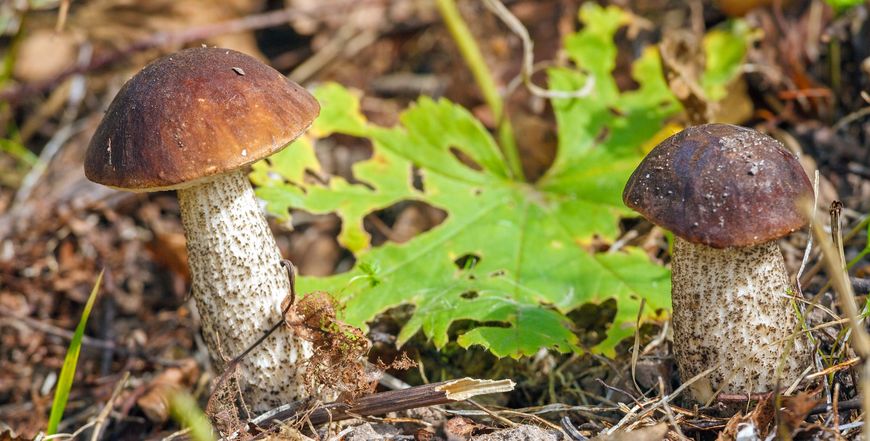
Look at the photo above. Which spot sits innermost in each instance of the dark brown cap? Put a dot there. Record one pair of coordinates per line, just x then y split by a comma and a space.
193, 114
720, 185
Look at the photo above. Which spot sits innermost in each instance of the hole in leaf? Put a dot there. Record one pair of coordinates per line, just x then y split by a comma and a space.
625, 57
338, 153
602, 135
312, 245
592, 320
459, 327
467, 261
465, 159
493, 324
469, 295
417, 179
276, 41
402, 221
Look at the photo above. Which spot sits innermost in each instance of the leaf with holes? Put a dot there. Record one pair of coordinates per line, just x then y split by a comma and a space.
511, 258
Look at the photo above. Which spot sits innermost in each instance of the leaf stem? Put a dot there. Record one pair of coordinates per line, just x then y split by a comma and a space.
473, 58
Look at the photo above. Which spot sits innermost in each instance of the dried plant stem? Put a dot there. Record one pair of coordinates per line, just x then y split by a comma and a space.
511, 21
473, 58
840, 281
445, 392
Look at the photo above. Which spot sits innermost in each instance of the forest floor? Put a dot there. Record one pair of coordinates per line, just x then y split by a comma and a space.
58, 230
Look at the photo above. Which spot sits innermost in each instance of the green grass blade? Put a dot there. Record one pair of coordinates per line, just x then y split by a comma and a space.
187, 413
68, 371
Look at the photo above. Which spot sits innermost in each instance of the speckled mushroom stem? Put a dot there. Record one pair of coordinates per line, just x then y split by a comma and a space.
731, 305
239, 284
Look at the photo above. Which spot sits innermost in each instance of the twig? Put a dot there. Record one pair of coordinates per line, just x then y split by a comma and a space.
635, 351
668, 412
741, 398
107, 409
73, 435
809, 247
513, 23
18, 92
848, 119
177, 434
834, 406
392, 401
493, 415
338, 45
854, 403
629, 417
568, 426
473, 58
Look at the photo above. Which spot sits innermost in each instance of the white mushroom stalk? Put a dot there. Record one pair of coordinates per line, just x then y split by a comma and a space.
733, 308
192, 121
238, 284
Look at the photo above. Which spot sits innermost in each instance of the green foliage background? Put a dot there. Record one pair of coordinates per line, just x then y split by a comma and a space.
532, 240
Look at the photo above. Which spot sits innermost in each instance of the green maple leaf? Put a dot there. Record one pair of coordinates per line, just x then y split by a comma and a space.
525, 246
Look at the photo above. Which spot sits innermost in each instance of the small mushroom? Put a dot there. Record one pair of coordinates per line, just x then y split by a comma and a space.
191, 122
727, 193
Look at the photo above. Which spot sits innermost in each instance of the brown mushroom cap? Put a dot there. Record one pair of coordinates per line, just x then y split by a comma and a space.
720, 185
193, 114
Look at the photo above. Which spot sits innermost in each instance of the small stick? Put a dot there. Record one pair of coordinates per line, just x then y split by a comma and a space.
668, 412
516, 26
100, 422
391, 401
18, 92
852, 404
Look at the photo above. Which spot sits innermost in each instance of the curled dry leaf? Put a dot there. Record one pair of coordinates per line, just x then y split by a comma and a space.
460, 428
339, 349
760, 422
682, 62
155, 402
796, 408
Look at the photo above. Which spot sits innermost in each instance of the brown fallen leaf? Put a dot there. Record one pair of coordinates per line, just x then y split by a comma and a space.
155, 402
796, 408
460, 428
683, 61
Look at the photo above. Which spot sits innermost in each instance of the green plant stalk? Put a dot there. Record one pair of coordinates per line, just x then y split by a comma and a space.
473, 58
68, 371
187, 413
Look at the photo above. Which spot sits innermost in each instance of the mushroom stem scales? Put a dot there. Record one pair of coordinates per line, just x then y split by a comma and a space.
732, 308
238, 284
727, 193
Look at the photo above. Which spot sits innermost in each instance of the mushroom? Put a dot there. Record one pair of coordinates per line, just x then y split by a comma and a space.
727, 193
191, 122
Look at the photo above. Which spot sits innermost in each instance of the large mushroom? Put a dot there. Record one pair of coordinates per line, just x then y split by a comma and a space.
191, 122
727, 193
